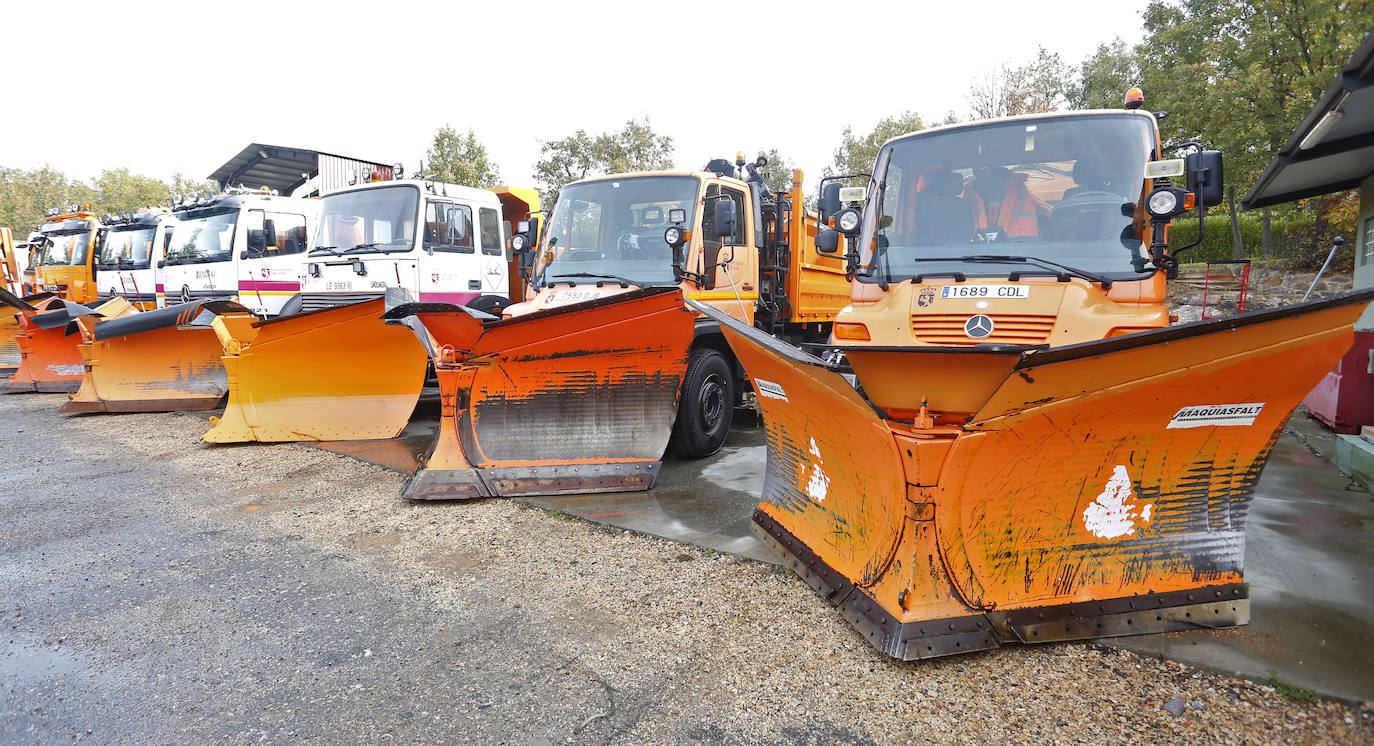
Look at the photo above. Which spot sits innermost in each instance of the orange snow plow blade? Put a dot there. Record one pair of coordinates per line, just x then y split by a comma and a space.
48, 344
156, 361
338, 373
1091, 490
10, 308
577, 399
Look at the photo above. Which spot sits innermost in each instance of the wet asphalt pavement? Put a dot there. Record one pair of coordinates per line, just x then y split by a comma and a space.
131, 619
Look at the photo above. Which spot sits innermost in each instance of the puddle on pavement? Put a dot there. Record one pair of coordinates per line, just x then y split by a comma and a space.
28, 663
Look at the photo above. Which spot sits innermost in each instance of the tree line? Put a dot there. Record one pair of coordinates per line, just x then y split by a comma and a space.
1236, 75
27, 194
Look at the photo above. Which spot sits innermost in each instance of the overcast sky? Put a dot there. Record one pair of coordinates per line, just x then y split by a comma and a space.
166, 87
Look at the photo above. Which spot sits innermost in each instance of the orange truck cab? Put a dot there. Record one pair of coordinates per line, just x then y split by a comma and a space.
66, 257
1025, 230
718, 234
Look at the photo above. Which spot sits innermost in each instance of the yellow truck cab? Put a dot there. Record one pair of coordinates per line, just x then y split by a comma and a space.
1042, 229
724, 240
65, 260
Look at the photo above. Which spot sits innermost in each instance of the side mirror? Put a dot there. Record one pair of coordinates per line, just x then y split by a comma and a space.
830, 201
725, 217
269, 231
257, 242
1205, 176
828, 241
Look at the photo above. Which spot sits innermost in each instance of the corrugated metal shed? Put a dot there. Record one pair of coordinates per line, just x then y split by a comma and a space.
285, 169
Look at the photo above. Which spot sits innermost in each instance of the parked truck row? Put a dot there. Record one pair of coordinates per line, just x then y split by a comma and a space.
983, 425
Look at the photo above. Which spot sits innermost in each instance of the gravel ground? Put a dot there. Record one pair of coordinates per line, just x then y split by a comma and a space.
153, 589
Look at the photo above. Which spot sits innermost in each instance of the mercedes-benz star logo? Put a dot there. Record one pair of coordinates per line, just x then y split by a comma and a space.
185, 294
978, 327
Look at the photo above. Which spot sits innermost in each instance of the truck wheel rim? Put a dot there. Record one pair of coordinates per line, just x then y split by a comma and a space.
712, 402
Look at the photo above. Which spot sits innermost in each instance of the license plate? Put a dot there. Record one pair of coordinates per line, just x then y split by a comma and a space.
338, 286
574, 296
985, 291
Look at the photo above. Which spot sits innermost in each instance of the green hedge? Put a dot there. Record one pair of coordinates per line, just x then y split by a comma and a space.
1292, 239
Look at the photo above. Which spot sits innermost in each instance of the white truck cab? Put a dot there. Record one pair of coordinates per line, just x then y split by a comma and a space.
440, 242
135, 244
243, 245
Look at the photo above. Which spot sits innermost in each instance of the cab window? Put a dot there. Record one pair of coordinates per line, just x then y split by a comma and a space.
490, 224
289, 229
708, 217
448, 227
291, 235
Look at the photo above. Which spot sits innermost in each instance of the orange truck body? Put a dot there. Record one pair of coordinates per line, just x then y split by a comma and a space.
584, 386
69, 271
1031, 452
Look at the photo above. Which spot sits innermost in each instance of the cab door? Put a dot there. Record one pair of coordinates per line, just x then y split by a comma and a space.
492, 244
451, 268
270, 269
732, 278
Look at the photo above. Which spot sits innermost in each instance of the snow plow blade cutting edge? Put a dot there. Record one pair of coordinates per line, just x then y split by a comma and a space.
338, 373
577, 399
1091, 490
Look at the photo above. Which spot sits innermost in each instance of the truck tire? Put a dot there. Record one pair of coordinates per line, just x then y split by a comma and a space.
707, 404
492, 304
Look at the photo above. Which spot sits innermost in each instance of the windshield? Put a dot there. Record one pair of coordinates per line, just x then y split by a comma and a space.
1067, 190
381, 219
64, 247
614, 229
203, 236
128, 247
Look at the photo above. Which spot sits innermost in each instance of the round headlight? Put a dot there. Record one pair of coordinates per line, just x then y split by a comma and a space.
1162, 203
848, 220
673, 236
517, 242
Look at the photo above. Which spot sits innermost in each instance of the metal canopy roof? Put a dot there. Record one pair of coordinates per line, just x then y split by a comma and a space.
272, 166
1333, 148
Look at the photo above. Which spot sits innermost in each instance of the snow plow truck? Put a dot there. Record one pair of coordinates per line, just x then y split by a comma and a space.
326, 367
1032, 452
581, 387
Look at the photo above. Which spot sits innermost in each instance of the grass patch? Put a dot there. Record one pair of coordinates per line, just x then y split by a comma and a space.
1291, 692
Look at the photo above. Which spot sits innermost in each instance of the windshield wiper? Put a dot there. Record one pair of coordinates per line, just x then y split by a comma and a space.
330, 249
624, 282
362, 247
1064, 271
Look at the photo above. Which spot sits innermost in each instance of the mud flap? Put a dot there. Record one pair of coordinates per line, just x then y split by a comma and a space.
338, 373
47, 341
1094, 490
578, 399
156, 361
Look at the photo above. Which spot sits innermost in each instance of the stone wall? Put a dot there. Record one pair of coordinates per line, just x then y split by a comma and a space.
1269, 288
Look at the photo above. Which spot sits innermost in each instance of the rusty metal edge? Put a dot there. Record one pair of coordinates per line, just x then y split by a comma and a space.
1207, 607
570, 479
188, 404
